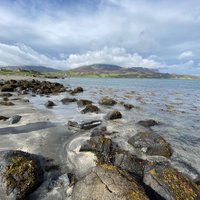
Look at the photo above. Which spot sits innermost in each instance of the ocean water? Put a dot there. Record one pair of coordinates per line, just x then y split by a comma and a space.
174, 103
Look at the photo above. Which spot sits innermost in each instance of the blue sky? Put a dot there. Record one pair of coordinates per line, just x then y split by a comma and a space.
132, 33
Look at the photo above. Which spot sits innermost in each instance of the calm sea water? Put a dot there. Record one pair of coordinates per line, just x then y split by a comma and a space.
175, 103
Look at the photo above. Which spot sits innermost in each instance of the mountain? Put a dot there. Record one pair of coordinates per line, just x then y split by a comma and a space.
111, 69
115, 71
32, 68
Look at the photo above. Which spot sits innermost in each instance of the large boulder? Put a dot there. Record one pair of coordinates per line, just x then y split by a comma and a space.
107, 101
128, 162
7, 88
151, 144
106, 182
115, 114
148, 123
101, 146
21, 173
83, 102
90, 108
169, 183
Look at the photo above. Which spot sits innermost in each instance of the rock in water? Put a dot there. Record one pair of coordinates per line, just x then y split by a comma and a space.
76, 90
115, 114
83, 102
85, 125
106, 182
3, 118
50, 104
15, 119
107, 101
170, 184
148, 123
21, 173
68, 100
90, 108
151, 143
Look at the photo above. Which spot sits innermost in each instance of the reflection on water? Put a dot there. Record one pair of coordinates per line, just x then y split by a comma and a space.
175, 103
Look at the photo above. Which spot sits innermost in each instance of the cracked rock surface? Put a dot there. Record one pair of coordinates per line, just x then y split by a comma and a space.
106, 182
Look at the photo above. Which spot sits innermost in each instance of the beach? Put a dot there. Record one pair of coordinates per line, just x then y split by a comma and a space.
60, 133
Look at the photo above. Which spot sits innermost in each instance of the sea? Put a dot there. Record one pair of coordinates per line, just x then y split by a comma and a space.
173, 103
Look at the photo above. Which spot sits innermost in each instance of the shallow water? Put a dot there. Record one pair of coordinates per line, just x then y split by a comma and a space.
175, 103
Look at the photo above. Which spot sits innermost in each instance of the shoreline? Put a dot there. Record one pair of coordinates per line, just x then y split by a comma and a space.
40, 131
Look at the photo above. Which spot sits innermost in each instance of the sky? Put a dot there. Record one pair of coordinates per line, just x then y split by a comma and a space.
64, 34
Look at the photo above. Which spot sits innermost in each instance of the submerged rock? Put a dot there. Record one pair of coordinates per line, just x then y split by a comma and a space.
50, 104
170, 184
106, 182
15, 119
90, 108
101, 131
115, 114
68, 100
151, 143
128, 106
85, 125
21, 173
107, 101
148, 123
83, 102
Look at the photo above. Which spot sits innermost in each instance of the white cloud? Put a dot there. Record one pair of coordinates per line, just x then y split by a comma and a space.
186, 55
20, 54
117, 56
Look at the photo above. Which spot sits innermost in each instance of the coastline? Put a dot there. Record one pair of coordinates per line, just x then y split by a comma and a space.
41, 132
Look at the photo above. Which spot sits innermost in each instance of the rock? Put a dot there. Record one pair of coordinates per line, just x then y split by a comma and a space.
7, 103
83, 102
148, 123
68, 100
101, 146
106, 182
7, 88
35, 86
128, 106
21, 173
85, 125
50, 104
101, 131
128, 162
151, 144
115, 114
90, 108
3, 118
169, 183
5, 99
98, 131
76, 90
107, 101
6, 94
15, 119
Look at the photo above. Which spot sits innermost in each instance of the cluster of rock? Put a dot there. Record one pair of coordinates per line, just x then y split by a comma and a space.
122, 175
34, 86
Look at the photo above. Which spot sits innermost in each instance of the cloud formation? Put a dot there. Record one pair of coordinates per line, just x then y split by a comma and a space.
59, 29
186, 55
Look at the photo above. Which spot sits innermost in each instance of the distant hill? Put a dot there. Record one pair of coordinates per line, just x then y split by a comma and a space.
112, 68
32, 68
115, 71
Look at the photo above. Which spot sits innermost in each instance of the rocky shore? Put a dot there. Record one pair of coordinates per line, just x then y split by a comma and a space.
33, 164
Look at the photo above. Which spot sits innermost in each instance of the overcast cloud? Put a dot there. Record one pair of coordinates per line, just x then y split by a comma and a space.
131, 33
